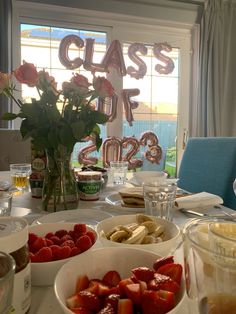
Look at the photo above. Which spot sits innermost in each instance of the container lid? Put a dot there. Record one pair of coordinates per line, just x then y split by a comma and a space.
89, 175
13, 233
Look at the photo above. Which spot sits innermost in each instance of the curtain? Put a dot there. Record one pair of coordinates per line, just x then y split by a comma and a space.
5, 51
214, 113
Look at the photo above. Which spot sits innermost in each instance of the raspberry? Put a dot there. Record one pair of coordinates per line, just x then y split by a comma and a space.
38, 244
32, 257
43, 255
80, 228
92, 236
60, 233
49, 235
64, 252
75, 251
49, 242
84, 243
55, 240
66, 237
70, 243
55, 252
32, 238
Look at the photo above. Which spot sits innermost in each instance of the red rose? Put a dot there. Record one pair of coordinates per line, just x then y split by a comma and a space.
27, 74
81, 83
103, 87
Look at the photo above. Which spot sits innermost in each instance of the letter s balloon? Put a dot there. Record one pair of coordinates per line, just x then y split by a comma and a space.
169, 64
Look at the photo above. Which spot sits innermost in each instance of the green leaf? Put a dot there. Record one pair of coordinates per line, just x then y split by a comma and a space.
52, 138
9, 116
97, 129
78, 129
100, 117
66, 135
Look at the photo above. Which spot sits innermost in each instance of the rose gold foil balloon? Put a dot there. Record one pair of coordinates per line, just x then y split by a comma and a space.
88, 57
111, 150
114, 58
148, 138
108, 102
134, 148
142, 68
154, 154
129, 104
83, 155
169, 64
64, 49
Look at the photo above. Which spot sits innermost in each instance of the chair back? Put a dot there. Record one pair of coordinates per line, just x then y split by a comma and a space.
13, 149
209, 164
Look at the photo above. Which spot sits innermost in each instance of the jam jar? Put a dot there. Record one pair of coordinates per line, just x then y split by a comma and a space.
89, 185
13, 240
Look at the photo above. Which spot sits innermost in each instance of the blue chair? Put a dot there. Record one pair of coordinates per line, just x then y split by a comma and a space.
209, 164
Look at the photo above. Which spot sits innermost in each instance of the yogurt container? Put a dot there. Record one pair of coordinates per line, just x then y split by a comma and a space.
89, 185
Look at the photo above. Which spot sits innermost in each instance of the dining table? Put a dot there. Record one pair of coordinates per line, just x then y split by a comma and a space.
43, 299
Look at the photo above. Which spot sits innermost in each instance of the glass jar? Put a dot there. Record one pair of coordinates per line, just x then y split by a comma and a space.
13, 240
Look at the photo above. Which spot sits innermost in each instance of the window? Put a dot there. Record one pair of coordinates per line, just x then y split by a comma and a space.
163, 99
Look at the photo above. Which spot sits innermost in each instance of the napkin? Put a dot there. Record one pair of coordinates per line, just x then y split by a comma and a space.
203, 199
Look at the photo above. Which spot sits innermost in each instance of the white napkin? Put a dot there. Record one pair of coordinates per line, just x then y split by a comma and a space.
203, 199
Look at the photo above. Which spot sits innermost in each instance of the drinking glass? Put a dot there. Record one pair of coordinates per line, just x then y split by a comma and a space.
118, 171
20, 175
210, 271
5, 203
159, 198
7, 271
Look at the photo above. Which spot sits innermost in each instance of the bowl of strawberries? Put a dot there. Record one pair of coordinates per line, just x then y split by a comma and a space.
53, 244
120, 280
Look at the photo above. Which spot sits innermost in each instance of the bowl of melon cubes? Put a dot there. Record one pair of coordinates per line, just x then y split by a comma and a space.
120, 280
51, 245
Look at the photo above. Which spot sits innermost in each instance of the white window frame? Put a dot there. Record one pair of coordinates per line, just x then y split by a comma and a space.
121, 27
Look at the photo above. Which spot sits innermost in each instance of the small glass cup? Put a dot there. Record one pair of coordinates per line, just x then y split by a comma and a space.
20, 174
210, 271
159, 198
5, 203
118, 171
7, 271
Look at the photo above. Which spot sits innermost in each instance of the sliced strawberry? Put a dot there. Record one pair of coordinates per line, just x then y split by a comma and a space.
102, 289
113, 300
162, 261
153, 303
81, 310
92, 287
89, 300
82, 283
125, 306
84, 243
143, 273
43, 255
122, 284
111, 278
133, 292
60, 233
174, 271
80, 228
32, 237
108, 309
169, 297
162, 282
70, 243
92, 236
75, 251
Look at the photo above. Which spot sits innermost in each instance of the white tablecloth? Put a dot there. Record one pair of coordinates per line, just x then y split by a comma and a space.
43, 298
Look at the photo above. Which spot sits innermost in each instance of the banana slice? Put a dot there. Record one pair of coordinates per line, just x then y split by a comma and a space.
138, 233
150, 225
158, 240
140, 218
128, 230
148, 239
132, 226
113, 230
119, 236
159, 230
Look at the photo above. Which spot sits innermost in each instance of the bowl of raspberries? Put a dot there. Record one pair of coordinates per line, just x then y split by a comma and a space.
51, 245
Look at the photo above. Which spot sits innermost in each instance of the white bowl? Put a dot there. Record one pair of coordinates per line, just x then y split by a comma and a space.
146, 176
43, 274
95, 263
171, 234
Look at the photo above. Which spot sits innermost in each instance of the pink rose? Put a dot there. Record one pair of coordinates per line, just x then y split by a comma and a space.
46, 81
81, 83
4, 81
103, 87
27, 74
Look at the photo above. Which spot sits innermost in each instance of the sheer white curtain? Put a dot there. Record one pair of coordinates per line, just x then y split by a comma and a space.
215, 109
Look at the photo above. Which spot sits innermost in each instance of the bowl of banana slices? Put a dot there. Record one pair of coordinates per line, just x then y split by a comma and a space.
139, 231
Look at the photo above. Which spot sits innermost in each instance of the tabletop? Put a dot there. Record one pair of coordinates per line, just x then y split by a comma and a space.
43, 298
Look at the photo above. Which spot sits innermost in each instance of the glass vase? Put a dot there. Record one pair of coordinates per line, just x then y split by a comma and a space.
60, 187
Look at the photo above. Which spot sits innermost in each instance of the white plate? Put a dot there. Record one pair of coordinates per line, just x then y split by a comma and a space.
115, 200
85, 215
134, 182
